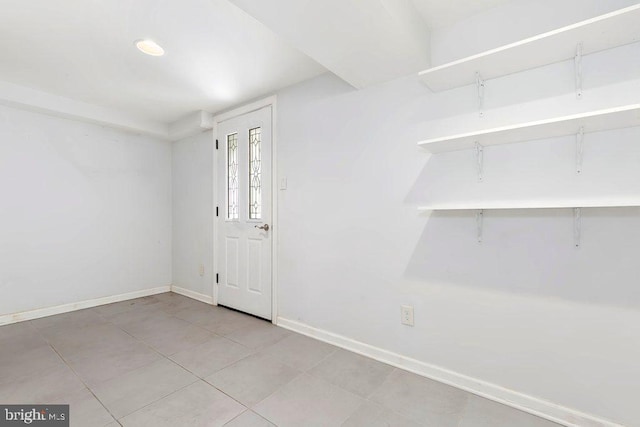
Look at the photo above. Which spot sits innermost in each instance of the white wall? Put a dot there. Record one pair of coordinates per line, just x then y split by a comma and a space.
193, 213
513, 21
525, 309
85, 211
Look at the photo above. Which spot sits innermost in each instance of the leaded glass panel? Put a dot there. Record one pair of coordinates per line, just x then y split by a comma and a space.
232, 176
255, 172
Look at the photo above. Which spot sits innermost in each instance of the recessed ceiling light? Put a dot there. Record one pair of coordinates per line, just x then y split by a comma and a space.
149, 47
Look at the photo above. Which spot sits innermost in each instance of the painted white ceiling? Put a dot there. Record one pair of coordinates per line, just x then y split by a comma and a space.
216, 55
440, 13
219, 53
363, 42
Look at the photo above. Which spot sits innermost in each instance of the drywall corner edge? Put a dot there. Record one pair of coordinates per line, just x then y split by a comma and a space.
523, 402
28, 99
192, 124
7, 319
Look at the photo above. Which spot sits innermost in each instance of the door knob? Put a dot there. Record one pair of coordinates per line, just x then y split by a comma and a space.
263, 227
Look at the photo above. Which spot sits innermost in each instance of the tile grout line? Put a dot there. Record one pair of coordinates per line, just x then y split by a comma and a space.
157, 400
38, 331
225, 367
237, 416
198, 378
367, 399
236, 400
252, 352
83, 382
166, 357
300, 372
386, 408
213, 373
86, 386
331, 353
386, 379
162, 356
135, 338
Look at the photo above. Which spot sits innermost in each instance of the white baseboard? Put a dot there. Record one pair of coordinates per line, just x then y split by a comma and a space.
6, 319
533, 405
192, 294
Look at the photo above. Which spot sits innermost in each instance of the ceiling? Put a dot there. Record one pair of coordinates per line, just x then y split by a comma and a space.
362, 45
216, 55
441, 13
219, 53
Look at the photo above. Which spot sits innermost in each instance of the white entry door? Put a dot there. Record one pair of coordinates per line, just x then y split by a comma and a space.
244, 213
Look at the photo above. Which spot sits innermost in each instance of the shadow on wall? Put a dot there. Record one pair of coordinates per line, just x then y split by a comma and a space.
533, 252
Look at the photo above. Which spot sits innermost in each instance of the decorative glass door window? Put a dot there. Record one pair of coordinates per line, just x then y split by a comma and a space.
255, 170
232, 176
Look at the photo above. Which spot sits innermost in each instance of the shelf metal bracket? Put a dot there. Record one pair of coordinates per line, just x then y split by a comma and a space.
579, 149
479, 217
479, 160
480, 88
577, 226
578, 70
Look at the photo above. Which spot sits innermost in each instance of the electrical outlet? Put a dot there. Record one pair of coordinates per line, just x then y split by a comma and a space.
201, 269
406, 315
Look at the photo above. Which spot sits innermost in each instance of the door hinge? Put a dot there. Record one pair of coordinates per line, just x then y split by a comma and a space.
217, 278
217, 210
216, 144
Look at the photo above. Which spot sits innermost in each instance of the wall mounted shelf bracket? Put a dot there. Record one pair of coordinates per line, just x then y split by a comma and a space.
579, 149
578, 70
479, 160
480, 89
577, 226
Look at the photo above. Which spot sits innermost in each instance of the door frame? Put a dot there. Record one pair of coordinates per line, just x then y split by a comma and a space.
248, 108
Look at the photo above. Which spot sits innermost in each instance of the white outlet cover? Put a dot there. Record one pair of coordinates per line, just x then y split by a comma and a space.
406, 315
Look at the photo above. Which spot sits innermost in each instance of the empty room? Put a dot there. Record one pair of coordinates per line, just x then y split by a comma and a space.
358, 213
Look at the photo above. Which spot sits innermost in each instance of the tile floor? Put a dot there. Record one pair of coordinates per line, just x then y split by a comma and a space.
167, 360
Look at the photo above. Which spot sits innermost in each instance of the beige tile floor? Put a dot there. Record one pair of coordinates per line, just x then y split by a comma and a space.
167, 360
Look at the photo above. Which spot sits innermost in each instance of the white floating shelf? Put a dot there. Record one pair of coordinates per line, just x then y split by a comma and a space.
593, 121
600, 33
575, 205
532, 204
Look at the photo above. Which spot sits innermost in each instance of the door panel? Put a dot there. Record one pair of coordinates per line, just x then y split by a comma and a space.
244, 197
232, 261
255, 268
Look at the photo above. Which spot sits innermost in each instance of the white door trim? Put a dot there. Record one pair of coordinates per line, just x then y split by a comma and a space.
248, 108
